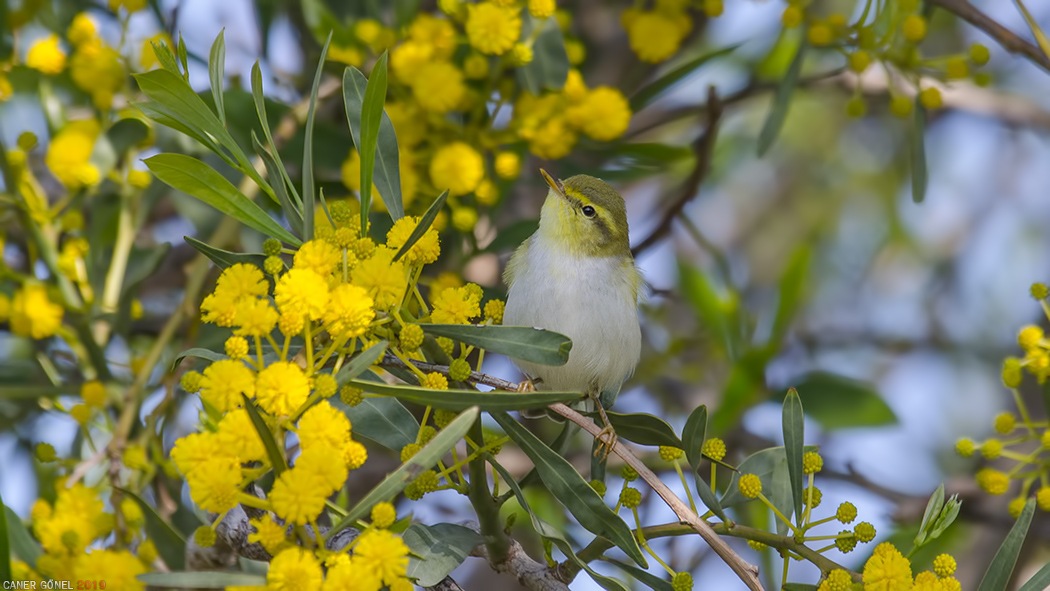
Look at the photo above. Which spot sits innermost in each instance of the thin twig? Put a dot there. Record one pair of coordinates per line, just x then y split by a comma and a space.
1005, 37
704, 148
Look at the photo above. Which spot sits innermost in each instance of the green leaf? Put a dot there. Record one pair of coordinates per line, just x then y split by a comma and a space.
371, 115
550, 533
1039, 581
933, 509
997, 577
20, 542
183, 58
520, 342
275, 453
694, 434
5, 547
387, 175
275, 172
260, 111
361, 362
126, 133
837, 402
157, 112
383, 420
512, 236
309, 195
550, 63
437, 550
794, 422
770, 465
404, 12
169, 542
224, 258
166, 57
462, 399
424, 224
799, 587
192, 176
202, 580
781, 103
714, 314
1040, 36
566, 484
644, 429
199, 352
397, 480
791, 286
642, 576
650, 92
707, 496
216, 71
919, 174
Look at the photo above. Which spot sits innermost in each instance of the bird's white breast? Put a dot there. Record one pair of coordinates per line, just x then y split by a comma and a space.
591, 300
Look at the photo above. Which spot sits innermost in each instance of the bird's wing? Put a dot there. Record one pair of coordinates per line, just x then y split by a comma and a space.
517, 261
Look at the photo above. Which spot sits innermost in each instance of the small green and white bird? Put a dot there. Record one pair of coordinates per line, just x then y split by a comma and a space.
576, 276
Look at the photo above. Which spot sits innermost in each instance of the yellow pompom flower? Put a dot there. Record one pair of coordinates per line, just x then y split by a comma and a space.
81, 30
457, 167
118, 568
317, 461
455, 306
464, 218
93, 393
192, 451
281, 388
97, 69
383, 553
944, 565
887, 570
508, 165
224, 382
302, 291
914, 28
425, 251
323, 426
294, 569
255, 317
604, 114
242, 281
349, 311
383, 515
268, 533
541, 9
492, 29
298, 496
406, 60
438, 87
654, 36
750, 485
438, 33
237, 435
33, 314
215, 484
993, 481
69, 151
319, 256
354, 454
46, 56
236, 348
820, 34
381, 277
434, 381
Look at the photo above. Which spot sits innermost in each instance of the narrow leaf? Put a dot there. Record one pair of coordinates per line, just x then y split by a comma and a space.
5, 547
793, 424
361, 362
837, 402
224, 258
549, 67
397, 480
791, 286
462, 399
781, 103
997, 577
308, 149
650, 92
437, 550
642, 576
424, 224
21, 543
202, 580
170, 544
166, 57
383, 420
566, 484
387, 175
192, 176
1040, 36
273, 452
371, 115
1040, 581
260, 111
933, 509
694, 434
216, 71
644, 429
274, 172
199, 352
919, 174
520, 342
707, 496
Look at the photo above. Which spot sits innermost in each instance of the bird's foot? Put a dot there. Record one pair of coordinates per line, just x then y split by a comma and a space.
526, 386
606, 441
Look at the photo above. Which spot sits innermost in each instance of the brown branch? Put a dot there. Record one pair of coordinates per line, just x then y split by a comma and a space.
1006, 38
704, 148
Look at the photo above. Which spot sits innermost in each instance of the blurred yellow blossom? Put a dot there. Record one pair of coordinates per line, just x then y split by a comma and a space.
69, 152
47, 56
457, 167
492, 29
33, 314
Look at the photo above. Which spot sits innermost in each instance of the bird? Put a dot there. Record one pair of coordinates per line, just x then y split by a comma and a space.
576, 276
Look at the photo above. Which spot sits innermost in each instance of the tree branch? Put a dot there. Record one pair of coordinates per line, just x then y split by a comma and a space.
1003, 36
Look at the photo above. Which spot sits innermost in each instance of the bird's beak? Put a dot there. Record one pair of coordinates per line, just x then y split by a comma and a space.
554, 183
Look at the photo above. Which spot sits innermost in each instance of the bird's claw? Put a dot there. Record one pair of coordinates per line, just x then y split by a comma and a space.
526, 386
606, 441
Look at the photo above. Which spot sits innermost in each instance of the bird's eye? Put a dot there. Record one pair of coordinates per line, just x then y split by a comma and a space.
588, 211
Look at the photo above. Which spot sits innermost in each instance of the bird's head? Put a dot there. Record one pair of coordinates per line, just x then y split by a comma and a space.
586, 216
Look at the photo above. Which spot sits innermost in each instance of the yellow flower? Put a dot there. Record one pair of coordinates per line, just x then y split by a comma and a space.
541, 9
147, 55
294, 569
317, 461
438, 87
993, 481
215, 484
406, 60
224, 382
282, 388
318, 256
219, 308
655, 36
323, 426
302, 291
118, 568
73, 523
433, 381
603, 115
381, 277
354, 454
237, 435
383, 515
33, 314
455, 306
410, 125
46, 56
69, 151
476, 66
81, 30
241, 281
492, 29
349, 311
93, 393
487, 193
350, 56
349, 575
383, 553
436, 32
268, 533
750, 486
298, 496
426, 250
6, 90
457, 167
508, 165
192, 451
97, 70
887, 570
255, 317
131, 5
